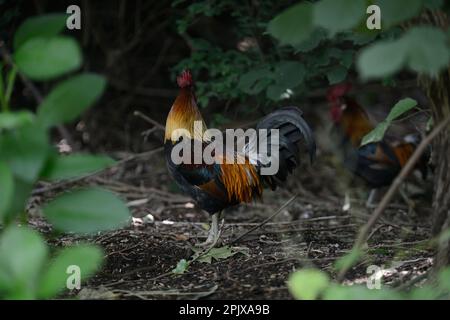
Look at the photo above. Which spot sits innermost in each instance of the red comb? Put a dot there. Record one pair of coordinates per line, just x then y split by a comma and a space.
338, 91
185, 79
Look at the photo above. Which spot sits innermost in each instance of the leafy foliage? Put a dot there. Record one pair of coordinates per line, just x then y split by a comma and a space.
26, 156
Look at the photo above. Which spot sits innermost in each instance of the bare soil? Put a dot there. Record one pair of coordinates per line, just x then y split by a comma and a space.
314, 231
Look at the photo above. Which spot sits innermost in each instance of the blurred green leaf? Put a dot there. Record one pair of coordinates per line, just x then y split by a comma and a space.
10, 120
6, 189
87, 258
48, 58
289, 74
22, 255
25, 149
339, 15
41, 26
336, 74
381, 59
308, 284
70, 166
294, 25
394, 12
350, 259
70, 98
254, 81
87, 211
358, 292
444, 279
429, 58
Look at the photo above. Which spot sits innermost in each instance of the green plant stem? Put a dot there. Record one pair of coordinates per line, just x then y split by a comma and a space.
9, 87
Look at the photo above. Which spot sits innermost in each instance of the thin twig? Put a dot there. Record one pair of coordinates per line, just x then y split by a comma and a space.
362, 238
265, 221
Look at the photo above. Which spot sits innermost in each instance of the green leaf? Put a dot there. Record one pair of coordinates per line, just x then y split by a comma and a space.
181, 267
10, 120
401, 108
41, 26
358, 292
48, 58
87, 211
70, 98
70, 166
294, 25
6, 189
289, 74
22, 255
376, 134
219, 253
87, 258
254, 81
316, 37
336, 74
394, 12
382, 59
308, 284
432, 57
348, 260
339, 15
379, 131
25, 150
444, 279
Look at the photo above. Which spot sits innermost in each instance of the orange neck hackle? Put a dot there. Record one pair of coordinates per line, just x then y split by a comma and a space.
184, 111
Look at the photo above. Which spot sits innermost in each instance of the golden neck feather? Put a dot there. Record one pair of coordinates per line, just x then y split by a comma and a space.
182, 115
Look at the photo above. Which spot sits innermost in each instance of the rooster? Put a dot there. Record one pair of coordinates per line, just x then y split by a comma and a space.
220, 185
376, 163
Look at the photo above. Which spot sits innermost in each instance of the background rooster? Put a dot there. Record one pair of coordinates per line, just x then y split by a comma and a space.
376, 163
217, 186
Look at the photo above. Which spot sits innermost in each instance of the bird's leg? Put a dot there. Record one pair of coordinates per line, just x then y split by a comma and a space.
215, 231
370, 201
410, 203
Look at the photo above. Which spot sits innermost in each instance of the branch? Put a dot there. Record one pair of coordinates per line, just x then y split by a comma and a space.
362, 238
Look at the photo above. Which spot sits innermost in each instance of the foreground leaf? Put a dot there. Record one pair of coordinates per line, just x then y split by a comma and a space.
41, 26
294, 25
6, 189
70, 98
46, 58
87, 211
75, 165
339, 15
87, 258
22, 255
307, 284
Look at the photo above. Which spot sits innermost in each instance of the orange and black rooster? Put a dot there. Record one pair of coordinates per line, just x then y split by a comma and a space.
376, 163
220, 185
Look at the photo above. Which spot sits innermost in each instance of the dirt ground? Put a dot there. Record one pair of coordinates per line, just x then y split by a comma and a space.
313, 231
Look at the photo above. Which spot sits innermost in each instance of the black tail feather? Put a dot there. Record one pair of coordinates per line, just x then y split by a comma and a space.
292, 128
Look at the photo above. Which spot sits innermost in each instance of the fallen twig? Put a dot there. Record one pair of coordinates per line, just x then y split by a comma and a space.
265, 221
